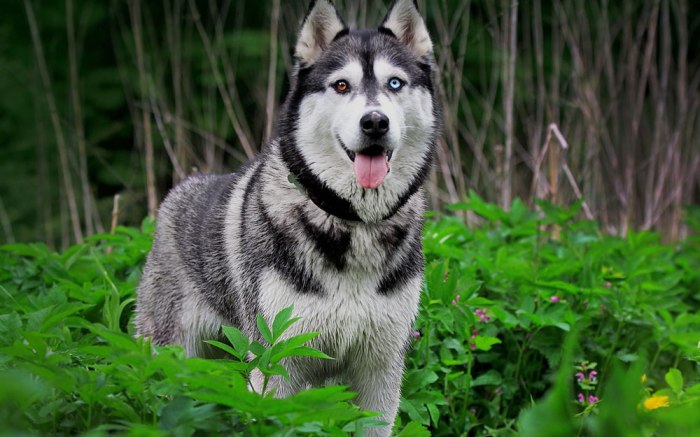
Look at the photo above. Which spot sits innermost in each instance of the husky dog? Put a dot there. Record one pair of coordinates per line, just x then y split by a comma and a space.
327, 218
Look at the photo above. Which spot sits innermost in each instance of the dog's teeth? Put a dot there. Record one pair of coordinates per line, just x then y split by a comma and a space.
389, 154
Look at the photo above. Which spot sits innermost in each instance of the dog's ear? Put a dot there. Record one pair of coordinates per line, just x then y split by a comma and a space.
405, 22
321, 26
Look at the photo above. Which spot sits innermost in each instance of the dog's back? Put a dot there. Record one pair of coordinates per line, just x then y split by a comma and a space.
187, 256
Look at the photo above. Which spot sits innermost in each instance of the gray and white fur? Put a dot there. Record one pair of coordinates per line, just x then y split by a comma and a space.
342, 244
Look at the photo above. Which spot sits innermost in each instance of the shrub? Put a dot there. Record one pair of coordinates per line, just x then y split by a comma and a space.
533, 324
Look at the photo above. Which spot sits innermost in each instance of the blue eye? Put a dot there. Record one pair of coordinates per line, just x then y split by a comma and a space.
395, 84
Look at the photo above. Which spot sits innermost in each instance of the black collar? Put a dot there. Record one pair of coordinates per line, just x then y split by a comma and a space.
324, 197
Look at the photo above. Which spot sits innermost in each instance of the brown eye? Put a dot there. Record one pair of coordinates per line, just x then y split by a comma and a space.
341, 86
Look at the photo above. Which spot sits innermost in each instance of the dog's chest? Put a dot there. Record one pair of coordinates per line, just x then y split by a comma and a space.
351, 316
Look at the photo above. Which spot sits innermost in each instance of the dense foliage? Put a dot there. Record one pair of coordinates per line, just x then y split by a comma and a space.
533, 324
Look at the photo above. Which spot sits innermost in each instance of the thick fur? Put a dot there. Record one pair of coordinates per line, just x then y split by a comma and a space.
347, 258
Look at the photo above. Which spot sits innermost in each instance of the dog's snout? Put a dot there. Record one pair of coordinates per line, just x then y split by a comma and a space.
374, 124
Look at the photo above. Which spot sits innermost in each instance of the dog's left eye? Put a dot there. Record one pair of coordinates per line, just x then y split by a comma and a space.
395, 84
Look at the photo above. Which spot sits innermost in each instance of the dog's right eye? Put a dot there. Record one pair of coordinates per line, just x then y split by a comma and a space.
341, 86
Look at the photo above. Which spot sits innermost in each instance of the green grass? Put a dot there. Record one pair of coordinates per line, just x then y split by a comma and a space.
514, 318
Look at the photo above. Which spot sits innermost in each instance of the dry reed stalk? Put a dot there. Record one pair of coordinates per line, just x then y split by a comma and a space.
509, 95
228, 102
97, 220
115, 219
659, 162
539, 188
538, 47
6, 224
177, 168
229, 66
78, 120
115, 214
555, 161
210, 137
443, 162
173, 26
56, 124
569, 176
64, 219
451, 89
135, 13
498, 153
44, 199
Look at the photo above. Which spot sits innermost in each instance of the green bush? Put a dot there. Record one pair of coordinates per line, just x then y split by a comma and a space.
532, 324
501, 301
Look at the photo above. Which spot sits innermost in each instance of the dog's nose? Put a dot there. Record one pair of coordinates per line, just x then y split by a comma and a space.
374, 124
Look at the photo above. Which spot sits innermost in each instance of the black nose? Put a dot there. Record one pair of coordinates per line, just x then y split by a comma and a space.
374, 124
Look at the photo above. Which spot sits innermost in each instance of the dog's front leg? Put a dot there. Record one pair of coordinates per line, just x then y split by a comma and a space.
378, 387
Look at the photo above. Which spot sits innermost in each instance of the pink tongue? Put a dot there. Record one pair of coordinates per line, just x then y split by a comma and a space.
370, 170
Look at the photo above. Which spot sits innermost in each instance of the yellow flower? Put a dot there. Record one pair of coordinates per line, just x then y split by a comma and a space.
644, 378
655, 402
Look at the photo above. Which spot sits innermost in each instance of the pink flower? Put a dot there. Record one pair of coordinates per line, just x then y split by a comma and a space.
580, 376
475, 332
415, 334
483, 317
455, 301
581, 398
554, 299
592, 399
592, 375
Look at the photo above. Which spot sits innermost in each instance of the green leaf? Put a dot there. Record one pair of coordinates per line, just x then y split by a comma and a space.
414, 429
492, 377
264, 361
224, 347
304, 351
277, 369
563, 326
238, 340
484, 342
552, 416
297, 340
257, 348
419, 379
264, 329
10, 325
415, 411
282, 321
674, 379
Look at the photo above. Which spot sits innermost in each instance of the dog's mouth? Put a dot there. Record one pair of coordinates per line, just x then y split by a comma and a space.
371, 164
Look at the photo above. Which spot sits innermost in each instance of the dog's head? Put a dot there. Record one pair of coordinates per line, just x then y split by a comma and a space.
362, 116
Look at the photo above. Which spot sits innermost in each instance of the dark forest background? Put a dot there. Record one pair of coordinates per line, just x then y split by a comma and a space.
106, 104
